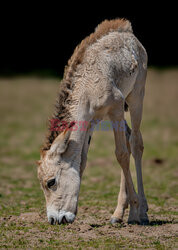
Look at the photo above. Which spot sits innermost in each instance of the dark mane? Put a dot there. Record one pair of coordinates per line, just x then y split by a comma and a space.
64, 99
62, 113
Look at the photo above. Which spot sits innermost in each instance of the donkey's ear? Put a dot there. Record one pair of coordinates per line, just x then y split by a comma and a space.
59, 145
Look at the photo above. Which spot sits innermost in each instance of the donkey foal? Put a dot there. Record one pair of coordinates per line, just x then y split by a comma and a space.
106, 71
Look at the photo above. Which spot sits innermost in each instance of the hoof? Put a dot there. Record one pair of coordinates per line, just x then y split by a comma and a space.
133, 222
144, 222
115, 220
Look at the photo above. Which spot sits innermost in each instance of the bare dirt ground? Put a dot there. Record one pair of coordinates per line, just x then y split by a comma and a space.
90, 232
25, 104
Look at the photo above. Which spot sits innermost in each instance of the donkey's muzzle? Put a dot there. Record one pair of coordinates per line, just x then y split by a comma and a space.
60, 217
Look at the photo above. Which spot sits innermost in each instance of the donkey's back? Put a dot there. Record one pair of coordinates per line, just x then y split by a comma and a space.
116, 58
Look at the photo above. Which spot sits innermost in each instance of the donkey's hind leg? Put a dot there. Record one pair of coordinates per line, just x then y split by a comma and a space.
135, 103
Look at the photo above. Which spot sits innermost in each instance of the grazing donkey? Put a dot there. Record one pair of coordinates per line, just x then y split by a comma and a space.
105, 74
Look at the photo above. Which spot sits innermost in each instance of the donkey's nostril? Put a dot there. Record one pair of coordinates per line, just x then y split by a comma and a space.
64, 221
52, 221
52, 216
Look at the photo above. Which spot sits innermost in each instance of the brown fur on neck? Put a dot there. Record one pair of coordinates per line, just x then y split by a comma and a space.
64, 100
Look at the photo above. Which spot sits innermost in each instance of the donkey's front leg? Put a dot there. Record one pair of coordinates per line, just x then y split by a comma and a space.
122, 203
122, 155
85, 150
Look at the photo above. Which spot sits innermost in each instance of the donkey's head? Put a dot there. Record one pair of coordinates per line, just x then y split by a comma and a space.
59, 176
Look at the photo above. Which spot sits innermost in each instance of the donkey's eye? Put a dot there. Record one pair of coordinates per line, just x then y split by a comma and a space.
51, 183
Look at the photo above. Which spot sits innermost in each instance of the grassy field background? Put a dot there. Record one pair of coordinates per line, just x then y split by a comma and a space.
25, 105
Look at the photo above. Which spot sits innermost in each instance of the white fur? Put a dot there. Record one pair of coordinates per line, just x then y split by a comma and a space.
70, 217
58, 215
52, 214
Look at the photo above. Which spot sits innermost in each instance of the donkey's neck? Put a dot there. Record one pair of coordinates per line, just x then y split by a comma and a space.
77, 138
